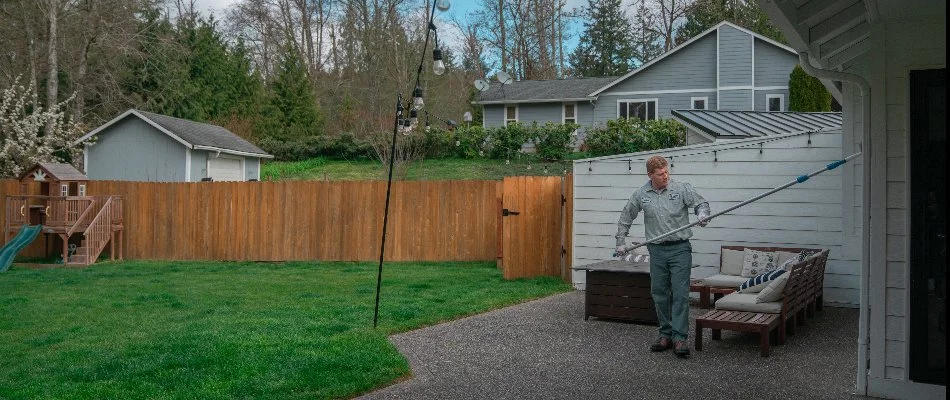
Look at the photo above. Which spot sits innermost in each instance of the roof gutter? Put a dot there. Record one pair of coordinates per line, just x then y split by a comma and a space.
229, 151
864, 325
593, 98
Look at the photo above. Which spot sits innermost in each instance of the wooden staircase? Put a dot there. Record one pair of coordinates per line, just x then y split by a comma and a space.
96, 236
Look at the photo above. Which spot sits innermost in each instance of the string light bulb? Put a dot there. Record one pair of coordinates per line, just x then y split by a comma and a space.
443, 5
438, 66
413, 117
417, 101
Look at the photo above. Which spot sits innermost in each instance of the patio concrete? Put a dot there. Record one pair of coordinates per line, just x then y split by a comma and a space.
544, 349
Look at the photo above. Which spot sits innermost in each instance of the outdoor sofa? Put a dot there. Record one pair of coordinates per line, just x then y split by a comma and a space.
782, 301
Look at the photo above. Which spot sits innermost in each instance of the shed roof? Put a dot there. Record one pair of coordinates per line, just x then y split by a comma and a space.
746, 124
58, 172
194, 135
553, 90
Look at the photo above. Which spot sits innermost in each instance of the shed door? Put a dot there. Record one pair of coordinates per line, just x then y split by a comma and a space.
226, 169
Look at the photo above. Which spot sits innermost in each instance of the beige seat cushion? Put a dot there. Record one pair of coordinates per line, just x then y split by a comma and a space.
731, 262
724, 281
746, 302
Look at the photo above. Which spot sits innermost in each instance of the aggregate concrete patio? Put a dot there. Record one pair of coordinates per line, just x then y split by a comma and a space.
544, 349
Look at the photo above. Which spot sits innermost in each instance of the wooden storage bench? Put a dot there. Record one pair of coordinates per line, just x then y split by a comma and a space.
619, 290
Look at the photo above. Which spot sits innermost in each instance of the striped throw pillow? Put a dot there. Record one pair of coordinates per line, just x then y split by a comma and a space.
802, 255
759, 282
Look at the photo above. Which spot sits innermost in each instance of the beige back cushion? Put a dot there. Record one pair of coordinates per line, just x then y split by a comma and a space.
774, 291
783, 256
731, 262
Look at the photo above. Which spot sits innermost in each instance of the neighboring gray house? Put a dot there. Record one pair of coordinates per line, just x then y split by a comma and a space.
724, 68
888, 60
144, 146
703, 126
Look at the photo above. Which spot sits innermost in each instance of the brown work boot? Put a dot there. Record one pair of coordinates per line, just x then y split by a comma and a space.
662, 344
681, 349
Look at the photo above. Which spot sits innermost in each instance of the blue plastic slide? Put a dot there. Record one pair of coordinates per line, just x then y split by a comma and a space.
22, 239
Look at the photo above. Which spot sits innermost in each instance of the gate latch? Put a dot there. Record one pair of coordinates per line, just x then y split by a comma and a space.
505, 212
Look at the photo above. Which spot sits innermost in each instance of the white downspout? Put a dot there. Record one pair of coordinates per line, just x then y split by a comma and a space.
864, 325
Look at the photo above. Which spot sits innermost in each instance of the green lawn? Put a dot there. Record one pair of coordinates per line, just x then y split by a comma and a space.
228, 330
444, 169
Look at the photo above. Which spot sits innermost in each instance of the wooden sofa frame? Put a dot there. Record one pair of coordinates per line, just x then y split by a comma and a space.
802, 296
716, 293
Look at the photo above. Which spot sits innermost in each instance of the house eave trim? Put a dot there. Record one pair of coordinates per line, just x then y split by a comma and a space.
567, 99
234, 152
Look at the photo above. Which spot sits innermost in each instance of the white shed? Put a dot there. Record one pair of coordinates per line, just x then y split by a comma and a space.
816, 213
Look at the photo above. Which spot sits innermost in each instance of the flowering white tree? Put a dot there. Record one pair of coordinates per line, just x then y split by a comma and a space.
30, 134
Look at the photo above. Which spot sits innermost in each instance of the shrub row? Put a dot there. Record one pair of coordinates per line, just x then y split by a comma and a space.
633, 135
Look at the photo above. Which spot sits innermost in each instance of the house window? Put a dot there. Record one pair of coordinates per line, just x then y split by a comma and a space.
82, 190
642, 109
511, 114
699, 103
774, 102
570, 113
64, 190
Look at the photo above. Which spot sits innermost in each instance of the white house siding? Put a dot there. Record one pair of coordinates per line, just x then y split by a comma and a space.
805, 215
896, 48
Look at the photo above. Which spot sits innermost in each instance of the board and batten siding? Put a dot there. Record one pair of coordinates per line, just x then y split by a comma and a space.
133, 150
805, 215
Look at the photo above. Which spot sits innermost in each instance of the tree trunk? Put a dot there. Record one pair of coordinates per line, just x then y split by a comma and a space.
501, 28
52, 84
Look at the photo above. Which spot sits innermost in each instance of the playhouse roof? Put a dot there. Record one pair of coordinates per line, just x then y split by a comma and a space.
57, 172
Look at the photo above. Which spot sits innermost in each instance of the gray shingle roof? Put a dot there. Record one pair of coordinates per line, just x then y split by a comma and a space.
745, 124
543, 90
201, 134
59, 172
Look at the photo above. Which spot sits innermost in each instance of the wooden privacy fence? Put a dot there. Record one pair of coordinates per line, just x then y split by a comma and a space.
342, 221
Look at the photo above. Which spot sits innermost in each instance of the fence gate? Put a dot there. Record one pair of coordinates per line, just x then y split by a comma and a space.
532, 222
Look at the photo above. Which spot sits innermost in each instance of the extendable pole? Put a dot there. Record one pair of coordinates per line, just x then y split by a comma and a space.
795, 181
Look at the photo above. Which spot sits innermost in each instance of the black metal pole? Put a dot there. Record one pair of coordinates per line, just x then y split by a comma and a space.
389, 187
392, 160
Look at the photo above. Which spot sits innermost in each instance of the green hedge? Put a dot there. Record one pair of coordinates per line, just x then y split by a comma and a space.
633, 135
344, 146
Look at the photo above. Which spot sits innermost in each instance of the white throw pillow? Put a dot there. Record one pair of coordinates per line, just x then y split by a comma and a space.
731, 262
782, 256
774, 291
757, 262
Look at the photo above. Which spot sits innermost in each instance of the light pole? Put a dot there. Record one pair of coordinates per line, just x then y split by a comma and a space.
407, 124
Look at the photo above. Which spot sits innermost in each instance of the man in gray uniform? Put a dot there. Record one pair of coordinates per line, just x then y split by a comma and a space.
665, 204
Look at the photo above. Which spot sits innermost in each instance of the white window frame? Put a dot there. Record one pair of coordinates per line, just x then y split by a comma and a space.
781, 101
692, 103
64, 189
82, 190
656, 107
505, 114
564, 117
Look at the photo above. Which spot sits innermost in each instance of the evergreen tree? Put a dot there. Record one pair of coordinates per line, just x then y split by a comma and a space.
605, 47
292, 105
646, 40
806, 93
746, 13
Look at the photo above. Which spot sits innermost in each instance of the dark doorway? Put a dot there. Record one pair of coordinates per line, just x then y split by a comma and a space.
928, 230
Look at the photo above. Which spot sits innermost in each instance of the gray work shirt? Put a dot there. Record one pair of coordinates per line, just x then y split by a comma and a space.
663, 210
